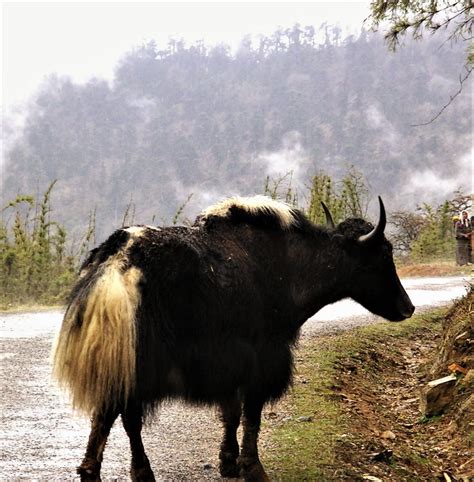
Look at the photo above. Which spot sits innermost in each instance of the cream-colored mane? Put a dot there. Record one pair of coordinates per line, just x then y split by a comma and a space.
254, 205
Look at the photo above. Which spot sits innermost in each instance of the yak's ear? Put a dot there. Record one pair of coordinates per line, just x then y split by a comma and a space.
376, 235
329, 221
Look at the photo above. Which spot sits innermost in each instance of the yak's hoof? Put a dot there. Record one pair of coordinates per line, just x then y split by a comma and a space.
89, 470
252, 470
228, 467
229, 470
142, 474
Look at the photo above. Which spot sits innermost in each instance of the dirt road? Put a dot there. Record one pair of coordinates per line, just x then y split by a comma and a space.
42, 439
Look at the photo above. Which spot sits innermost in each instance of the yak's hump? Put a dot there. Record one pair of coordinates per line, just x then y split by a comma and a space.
257, 207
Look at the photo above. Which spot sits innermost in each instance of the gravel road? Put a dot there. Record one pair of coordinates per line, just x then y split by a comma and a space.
43, 440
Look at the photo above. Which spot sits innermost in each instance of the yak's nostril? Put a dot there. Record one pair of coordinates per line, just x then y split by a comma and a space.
408, 311
405, 307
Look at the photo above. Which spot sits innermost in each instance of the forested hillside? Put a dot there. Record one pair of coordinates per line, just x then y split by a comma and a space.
197, 119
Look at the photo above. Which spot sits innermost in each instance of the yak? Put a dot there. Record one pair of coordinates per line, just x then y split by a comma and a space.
210, 313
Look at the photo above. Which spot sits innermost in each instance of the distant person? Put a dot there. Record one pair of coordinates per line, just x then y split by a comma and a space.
472, 241
463, 231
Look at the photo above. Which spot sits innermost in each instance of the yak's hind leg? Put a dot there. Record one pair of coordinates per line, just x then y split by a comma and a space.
100, 429
230, 414
132, 422
250, 467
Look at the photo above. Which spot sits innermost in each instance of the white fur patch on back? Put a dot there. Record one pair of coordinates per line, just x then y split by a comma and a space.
254, 205
135, 231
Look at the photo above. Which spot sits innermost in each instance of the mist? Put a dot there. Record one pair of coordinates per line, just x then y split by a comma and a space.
436, 187
180, 120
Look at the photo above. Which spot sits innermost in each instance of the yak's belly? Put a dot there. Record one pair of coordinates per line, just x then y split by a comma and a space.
208, 372
212, 372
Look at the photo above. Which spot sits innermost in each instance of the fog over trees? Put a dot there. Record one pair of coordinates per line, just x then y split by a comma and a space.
181, 119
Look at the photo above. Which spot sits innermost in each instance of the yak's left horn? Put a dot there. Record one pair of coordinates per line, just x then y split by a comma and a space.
329, 221
377, 233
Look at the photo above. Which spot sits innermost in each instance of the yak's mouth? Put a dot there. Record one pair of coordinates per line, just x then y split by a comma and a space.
401, 311
400, 314
396, 317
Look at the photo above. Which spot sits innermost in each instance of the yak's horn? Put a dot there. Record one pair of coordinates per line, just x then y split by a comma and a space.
377, 233
329, 221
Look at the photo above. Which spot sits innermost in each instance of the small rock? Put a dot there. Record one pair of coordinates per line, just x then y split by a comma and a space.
272, 415
207, 466
437, 395
372, 478
304, 419
388, 435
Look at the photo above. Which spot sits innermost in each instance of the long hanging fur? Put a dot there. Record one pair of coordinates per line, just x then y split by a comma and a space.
95, 355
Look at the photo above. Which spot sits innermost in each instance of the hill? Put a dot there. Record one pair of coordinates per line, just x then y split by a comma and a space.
203, 120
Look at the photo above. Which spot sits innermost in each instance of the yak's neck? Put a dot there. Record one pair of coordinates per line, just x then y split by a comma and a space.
320, 275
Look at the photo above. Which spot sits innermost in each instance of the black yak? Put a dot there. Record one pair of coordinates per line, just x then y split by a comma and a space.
210, 313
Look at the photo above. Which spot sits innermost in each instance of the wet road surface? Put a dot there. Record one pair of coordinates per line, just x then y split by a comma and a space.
43, 440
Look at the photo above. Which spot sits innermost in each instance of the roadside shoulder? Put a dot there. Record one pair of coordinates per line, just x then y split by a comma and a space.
354, 409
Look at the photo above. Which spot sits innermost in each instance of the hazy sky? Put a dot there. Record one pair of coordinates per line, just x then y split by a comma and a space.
85, 39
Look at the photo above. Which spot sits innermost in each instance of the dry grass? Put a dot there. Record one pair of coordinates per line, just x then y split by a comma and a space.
435, 268
26, 308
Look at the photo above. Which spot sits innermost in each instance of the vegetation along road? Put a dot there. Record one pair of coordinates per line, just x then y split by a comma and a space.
42, 439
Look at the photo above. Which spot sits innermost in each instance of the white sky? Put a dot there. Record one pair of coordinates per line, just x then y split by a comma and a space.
84, 40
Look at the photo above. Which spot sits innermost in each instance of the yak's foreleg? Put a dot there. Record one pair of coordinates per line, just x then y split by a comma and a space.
132, 422
100, 429
250, 467
230, 414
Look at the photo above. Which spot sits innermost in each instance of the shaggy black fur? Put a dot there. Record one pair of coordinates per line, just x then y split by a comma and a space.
222, 302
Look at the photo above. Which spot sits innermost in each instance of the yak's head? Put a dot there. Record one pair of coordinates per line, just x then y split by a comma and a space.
374, 282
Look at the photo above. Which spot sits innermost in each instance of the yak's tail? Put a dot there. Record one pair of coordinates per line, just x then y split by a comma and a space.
95, 354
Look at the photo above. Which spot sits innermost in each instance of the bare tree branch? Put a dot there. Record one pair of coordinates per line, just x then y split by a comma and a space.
451, 99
